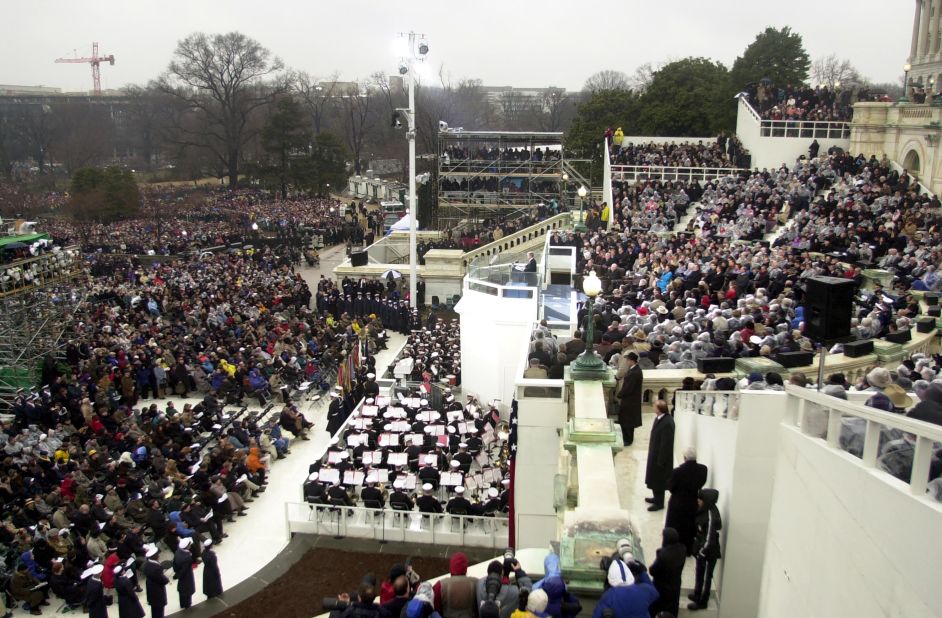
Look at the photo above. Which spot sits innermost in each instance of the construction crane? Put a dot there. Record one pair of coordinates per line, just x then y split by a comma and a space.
95, 60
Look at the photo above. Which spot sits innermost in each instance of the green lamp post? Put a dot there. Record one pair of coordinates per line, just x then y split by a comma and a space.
588, 366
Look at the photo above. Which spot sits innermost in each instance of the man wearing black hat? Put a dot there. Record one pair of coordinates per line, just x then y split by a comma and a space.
629, 409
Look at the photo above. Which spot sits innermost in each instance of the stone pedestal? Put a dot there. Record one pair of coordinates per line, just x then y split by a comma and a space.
887, 352
763, 365
872, 276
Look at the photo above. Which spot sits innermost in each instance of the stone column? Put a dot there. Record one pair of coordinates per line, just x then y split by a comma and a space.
915, 44
935, 27
923, 50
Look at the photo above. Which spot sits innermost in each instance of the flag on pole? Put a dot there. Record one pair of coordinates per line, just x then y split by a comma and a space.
512, 459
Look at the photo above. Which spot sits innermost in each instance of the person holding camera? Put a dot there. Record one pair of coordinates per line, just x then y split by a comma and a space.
497, 588
629, 591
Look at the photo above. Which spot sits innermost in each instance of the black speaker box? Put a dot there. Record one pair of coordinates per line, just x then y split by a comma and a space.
828, 305
934, 312
716, 364
359, 258
900, 337
932, 299
855, 349
794, 359
925, 325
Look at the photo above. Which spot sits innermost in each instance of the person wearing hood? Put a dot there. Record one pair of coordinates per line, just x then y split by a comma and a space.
454, 596
929, 408
505, 593
666, 571
706, 547
632, 596
560, 604
422, 604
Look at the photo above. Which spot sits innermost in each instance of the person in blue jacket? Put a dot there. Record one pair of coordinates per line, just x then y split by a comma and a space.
560, 603
630, 600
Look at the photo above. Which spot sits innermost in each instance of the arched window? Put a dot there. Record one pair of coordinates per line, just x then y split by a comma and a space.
911, 161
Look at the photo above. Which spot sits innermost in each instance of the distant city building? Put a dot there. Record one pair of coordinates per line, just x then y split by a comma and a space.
12, 90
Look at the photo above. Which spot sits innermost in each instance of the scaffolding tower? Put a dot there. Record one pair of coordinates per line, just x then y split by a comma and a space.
39, 297
497, 174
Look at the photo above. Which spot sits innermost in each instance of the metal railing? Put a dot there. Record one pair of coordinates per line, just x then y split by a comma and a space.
721, 404
634, 173
900, 446
514, 240
805, 129
391, 525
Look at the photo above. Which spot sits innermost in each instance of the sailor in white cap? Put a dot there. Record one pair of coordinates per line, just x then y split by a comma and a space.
212, 580
95, 601
428, 474
183, 572
335, 413
427, 502
370, 387
459, 505
124, 585
314, 490
399, 499
464, 457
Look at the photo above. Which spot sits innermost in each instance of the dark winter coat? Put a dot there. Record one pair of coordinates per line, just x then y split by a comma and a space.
156, 584
183, 572
709, 524
128, 604
95, 599
212, 579
629, 410
660, 453
666, 571
685, 482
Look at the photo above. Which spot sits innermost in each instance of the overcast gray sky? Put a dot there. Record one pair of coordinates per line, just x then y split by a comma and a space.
508, 42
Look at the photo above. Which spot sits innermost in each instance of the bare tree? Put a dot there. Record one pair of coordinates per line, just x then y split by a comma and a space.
607, 80
830, 71
512, 105
553, 111
316, 96
357, 117
643, 75
221, 81
35, 126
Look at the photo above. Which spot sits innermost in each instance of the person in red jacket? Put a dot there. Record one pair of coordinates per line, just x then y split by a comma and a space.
108, 575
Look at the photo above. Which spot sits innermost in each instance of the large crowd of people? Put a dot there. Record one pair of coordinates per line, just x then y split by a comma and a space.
674, 299
724, 152
789, 102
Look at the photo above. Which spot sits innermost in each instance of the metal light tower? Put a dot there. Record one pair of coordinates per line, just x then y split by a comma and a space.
415, 53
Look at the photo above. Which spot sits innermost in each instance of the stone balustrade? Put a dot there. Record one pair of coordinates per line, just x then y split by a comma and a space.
516, 241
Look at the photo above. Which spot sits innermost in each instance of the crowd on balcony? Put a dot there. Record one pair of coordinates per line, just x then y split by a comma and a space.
456, 154
788, 102
674, 299
494, 184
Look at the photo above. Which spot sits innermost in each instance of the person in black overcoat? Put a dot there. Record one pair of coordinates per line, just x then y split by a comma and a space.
212, 579
660, 455
156, 583
128, 604
666, 571
335, 415
685, 483
95, 601
183, 572
629, 409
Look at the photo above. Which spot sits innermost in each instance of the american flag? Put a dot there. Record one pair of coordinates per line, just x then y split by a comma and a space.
512, 460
